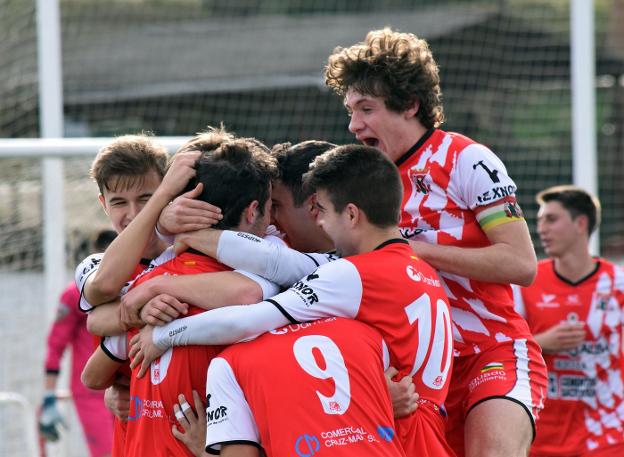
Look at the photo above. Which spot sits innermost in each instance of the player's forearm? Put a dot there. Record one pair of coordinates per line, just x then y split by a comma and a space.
105, 320
220, 326
99, 371
498, 263
207, 290
275, 262
124, 253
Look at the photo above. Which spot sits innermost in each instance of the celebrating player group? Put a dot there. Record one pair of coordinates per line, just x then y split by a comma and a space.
321, 300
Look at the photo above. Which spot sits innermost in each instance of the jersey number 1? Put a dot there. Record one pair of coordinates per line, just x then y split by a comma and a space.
440, 344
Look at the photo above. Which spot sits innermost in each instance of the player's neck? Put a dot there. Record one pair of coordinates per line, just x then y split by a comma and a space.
374, 236
575, 264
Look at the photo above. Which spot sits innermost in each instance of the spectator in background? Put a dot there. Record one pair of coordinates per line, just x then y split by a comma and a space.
69, 329
574, 309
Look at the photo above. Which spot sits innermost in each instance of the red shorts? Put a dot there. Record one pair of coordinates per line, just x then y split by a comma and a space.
422, 432
513, 370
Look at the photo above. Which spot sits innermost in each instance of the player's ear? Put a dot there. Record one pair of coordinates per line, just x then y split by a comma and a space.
103, 203
252, 212
412, 111
310, 204
353, 214
582, 223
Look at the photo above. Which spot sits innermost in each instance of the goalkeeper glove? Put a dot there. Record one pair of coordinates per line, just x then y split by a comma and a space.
50, 418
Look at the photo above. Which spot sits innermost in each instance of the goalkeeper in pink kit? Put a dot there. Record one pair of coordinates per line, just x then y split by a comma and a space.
70, 329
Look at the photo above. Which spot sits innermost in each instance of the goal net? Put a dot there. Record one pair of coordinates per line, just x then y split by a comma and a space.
173, 67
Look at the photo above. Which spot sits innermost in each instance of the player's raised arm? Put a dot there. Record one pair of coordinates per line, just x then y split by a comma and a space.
125, 252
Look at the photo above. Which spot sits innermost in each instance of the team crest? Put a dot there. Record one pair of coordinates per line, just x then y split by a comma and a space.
419, 180
512, 209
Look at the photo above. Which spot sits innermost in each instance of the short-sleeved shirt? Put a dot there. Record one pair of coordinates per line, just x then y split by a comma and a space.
304, 389
398, 294
179, 370
454, 189
584, 409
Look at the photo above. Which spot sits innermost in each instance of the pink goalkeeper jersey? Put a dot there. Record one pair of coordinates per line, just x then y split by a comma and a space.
70, 329
584, 409
455, 188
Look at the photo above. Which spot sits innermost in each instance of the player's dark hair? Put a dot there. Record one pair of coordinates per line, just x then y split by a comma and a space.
102, 239
124, 163
397, 67
293, 161
576, 201
361, 175
234, 174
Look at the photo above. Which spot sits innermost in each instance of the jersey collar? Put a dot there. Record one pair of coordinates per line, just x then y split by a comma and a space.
415, 148
391, 241
584, 278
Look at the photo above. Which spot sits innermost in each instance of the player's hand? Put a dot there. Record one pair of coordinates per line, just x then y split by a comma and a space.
117, 398
143, 351
562, 337
193, 422
162, 309
130, 309
181, 170
403, 394
186, 213
50, 419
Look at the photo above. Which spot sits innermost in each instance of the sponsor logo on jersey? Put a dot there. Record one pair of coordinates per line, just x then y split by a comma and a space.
409, 232
385, 433
592, 348
419, 180
575, 387
493, 174
547, 301
215, 415
307, 445
305, 292
418, 276
248, 236
296, 327
497, 193
148, 409
573, 300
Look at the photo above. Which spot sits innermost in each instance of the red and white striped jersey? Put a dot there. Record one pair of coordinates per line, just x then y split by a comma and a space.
454, 189
321, 391
584, 409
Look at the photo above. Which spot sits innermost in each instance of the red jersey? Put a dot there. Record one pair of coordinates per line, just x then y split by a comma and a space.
322, 392
179, 370
399, 295
85, 269
584, 409
454, 189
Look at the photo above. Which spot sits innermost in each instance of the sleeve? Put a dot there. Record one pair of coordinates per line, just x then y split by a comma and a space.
334, 289
271, 259
227, 325
63, 330
269, 289
482, 177
116, 347
168, 239
518, 300
83, 271
229, 419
